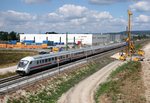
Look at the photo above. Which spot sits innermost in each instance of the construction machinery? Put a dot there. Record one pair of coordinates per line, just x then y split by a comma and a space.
141, 52
130, 48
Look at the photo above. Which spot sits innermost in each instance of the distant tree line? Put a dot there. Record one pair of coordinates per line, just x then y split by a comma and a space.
139, 37
51, 33
6, 36
142, 32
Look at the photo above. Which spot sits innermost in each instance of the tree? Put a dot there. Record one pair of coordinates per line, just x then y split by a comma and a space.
12, 36
3, 36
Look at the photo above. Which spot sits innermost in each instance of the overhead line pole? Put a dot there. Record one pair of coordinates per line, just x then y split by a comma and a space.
66, 41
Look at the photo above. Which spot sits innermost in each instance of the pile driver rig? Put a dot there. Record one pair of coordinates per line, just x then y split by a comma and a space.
130, 48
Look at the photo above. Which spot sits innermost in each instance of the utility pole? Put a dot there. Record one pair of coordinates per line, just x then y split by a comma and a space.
66, 41
58, 60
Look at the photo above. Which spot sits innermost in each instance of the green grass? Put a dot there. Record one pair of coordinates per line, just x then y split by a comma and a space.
112, 87
12, 57
127, 68
55, 89
138, 46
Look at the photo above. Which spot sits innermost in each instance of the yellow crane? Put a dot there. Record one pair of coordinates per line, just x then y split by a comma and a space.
129, 46
130, 49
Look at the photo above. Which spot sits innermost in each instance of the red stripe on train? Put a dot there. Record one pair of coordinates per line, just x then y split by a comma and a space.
44, 65
40, 65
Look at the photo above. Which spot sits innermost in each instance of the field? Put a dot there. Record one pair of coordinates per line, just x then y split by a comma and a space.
12, 57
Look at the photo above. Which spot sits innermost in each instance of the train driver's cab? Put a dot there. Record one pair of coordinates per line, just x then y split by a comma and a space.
23, 64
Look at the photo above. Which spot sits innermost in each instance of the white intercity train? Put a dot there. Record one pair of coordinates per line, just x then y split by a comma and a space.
31, 63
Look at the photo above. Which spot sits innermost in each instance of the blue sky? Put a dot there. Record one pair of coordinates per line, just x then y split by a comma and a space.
74, 16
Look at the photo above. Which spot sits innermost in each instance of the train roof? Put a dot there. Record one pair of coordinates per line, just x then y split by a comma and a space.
60, 53
56, 54
66, 52
29, 58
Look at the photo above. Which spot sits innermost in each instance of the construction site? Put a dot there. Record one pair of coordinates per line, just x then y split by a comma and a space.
130, 52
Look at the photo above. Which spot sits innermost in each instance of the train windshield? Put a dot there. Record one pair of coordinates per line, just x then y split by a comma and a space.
23, 63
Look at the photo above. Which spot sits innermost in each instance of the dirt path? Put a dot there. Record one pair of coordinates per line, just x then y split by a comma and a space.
83, 92
146, 72
8, 69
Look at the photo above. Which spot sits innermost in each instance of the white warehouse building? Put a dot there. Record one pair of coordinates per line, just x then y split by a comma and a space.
85, 39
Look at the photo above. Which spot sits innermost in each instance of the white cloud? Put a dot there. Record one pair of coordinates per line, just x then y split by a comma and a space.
68, 18
71, 18
103, 2
53, 17
102, 15
35, 1
143, 19
78, 18
141, 6
141, 22
77, 13
19, 16
11, 19
79, 22
69, 10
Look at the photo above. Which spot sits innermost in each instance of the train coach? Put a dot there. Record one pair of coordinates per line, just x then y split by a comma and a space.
31, 63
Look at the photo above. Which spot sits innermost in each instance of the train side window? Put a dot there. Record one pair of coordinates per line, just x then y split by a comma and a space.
63, 56
37, 62
49, 59
52, 59
55, 58
31, 62
43, 61
67, 56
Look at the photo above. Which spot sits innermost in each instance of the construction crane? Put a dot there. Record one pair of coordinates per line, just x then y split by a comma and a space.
130, 49
129, 46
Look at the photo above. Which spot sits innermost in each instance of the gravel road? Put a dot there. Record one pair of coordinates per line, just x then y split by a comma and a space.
146, 71
84, 91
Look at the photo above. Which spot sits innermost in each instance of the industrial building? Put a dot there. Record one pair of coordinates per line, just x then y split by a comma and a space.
60, 39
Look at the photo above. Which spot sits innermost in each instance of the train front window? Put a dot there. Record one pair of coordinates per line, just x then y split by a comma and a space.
23, 63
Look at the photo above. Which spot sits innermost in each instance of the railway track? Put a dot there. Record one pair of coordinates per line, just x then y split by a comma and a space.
4, 80
7, 82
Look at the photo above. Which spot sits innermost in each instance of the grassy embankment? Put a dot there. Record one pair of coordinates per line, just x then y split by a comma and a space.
140, 44
124, 84
12, 57
60, 84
